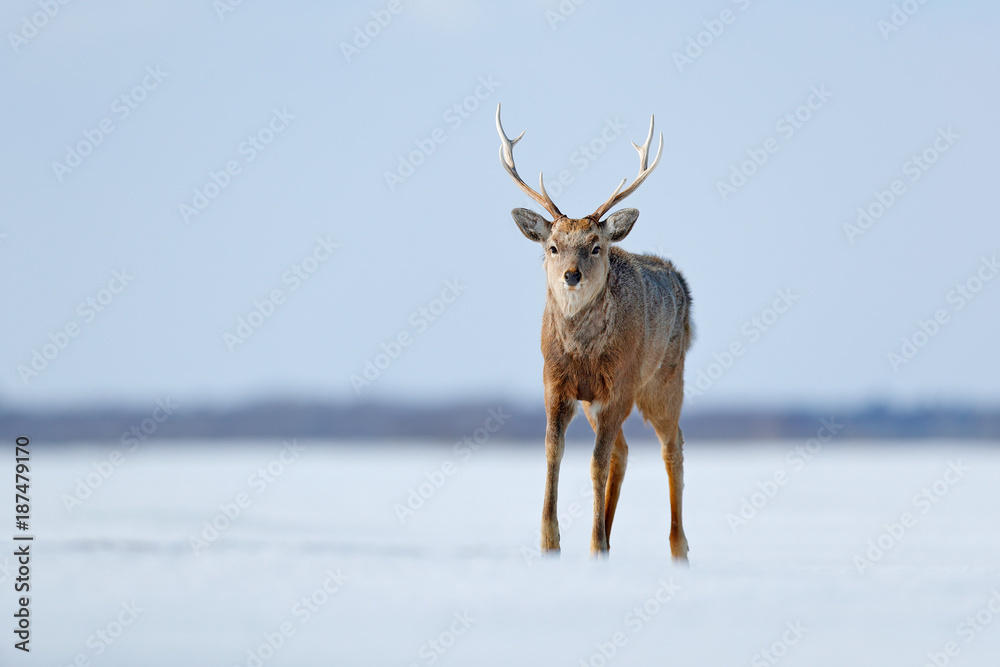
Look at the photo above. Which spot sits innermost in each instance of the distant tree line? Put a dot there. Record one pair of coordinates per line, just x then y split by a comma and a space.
447, 423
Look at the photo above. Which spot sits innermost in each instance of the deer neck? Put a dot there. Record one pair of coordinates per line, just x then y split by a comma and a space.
581, 326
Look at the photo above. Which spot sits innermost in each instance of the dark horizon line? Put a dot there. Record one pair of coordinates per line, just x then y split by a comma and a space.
368, 420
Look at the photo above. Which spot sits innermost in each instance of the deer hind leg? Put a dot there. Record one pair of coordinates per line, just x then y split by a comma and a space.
609, 423
673, 458
662, 408
619, 459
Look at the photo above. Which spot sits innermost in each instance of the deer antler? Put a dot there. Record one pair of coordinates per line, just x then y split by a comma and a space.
620, 194
507, 160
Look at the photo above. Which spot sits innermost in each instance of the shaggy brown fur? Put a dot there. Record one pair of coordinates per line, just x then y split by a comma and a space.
615, 332
625, 347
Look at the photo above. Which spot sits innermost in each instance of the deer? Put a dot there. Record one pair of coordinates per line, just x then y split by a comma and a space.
615, 330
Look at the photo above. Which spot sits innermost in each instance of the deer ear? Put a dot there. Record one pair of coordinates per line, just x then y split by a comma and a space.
619, 223
532, 225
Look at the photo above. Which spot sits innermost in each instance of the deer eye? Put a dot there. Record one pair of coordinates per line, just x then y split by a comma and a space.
553, 250
596, 250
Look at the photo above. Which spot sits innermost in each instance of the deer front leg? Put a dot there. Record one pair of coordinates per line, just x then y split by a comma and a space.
609, 422
559, 412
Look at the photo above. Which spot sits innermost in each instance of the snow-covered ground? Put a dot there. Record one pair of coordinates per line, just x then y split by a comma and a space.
323, 563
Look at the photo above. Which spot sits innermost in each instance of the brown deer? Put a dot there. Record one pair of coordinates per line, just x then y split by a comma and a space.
615, 331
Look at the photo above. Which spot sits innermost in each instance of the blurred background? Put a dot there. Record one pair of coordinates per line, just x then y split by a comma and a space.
238, 205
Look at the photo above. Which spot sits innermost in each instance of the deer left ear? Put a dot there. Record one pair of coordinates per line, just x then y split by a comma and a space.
532, 225
619, 223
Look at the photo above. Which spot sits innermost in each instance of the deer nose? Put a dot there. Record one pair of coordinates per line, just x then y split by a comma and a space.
572, 277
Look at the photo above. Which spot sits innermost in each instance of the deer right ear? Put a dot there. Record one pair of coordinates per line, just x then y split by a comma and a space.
532, 225
619, 223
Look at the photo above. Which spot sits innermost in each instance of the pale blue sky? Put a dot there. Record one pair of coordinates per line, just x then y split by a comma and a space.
327, 131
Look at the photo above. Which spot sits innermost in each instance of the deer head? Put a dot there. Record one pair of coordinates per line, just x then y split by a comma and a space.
576, 249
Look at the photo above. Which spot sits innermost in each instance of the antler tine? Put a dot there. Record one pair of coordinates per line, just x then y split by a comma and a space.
644, 171
644, 149
541, 188
507, 160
